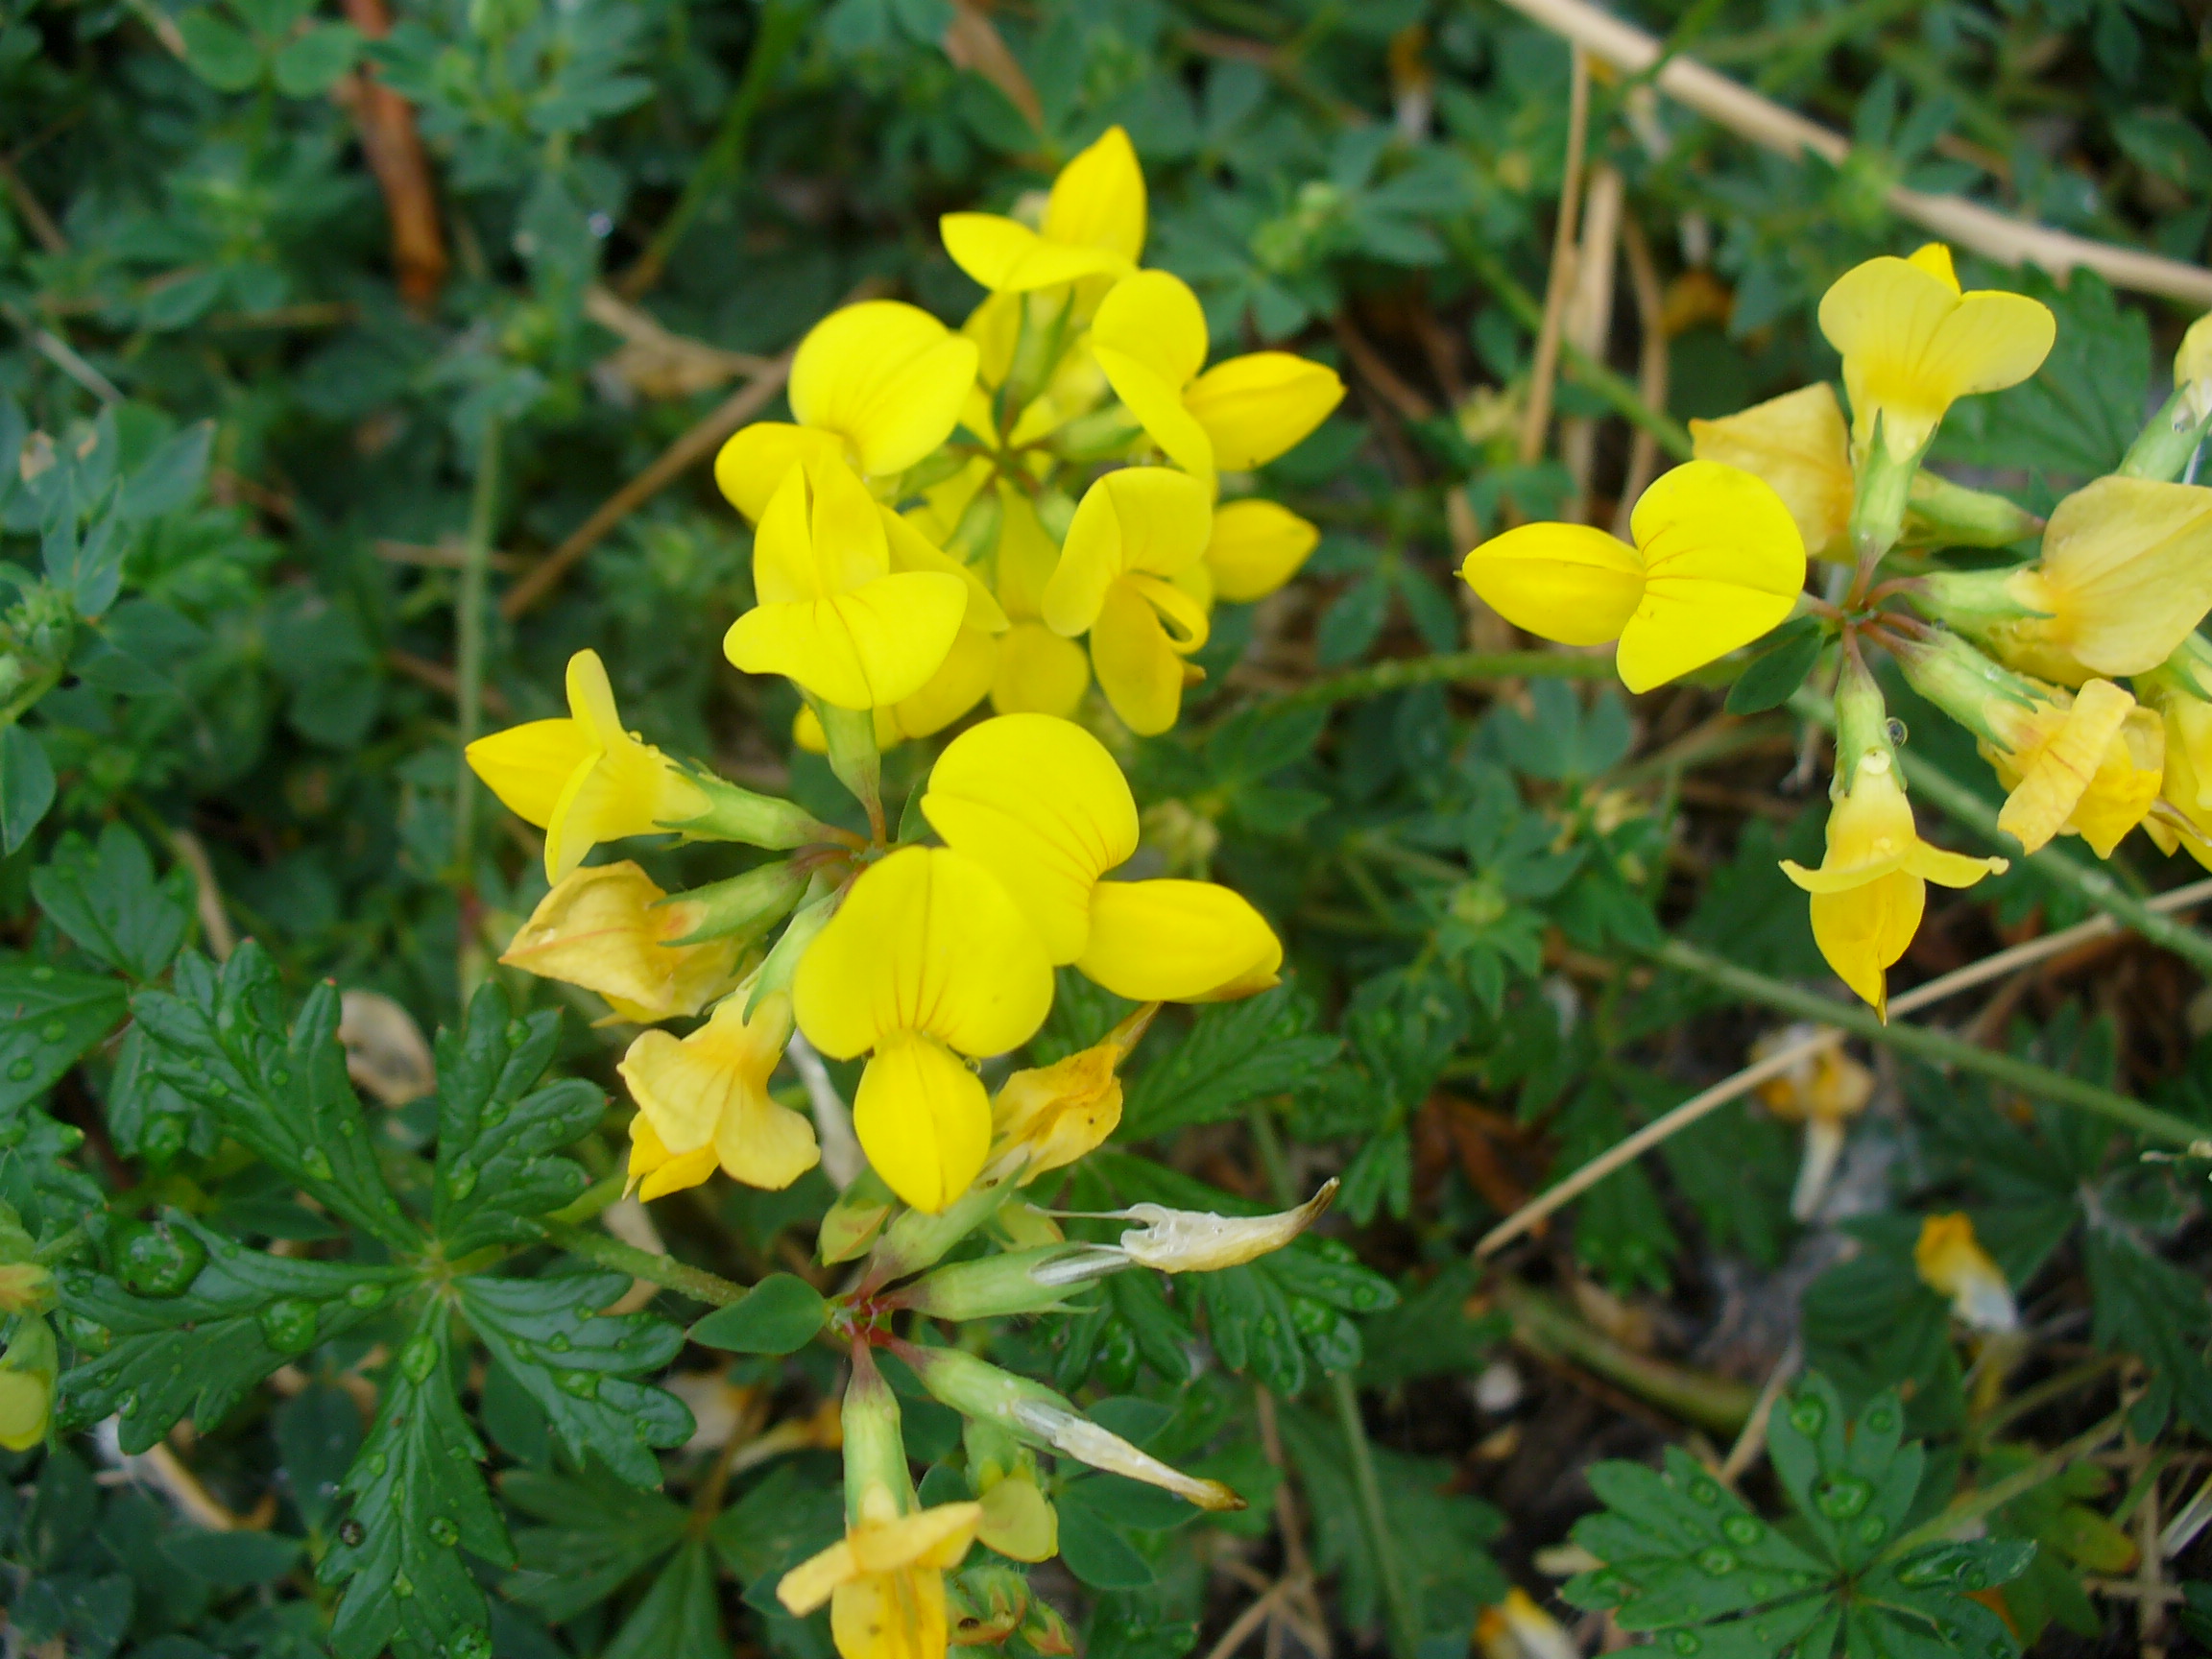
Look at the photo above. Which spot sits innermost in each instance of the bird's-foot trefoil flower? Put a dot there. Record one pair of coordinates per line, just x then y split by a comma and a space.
834, 616
1952, 1262
1093, 225
1050, 1116
708, 1092
878, 385
926, 960
609, 929
1149, 338
1799, 446
1042, 804
584, 780
1824, 1091
1871, 888
1717, 562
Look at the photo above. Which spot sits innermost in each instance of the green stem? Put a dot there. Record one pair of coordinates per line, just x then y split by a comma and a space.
781, 24
1983, 1431
1936, 1048
1720, 1403
664, 1271
1397, 1604
1616, 389
593, 1199
469, 654
1968, 807
1995, 1497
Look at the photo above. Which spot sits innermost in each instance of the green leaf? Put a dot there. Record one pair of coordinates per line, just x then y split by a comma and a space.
2158, 1312
781, 1522
309, 65
1234, 1052
317, 1434
108, 901
171, 477
602, 1533
222, 1044
1249, 1322
678, 1618
232, 1560
415, 1502
495, 1142
1094, 1551
778, 1315
48, 1017
26, 785
581, 1367
221, 54
194, 1351
1773, 677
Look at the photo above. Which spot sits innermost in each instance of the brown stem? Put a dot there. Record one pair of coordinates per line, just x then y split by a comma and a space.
394, 150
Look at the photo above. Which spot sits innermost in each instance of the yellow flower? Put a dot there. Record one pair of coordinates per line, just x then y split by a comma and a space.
1256, 548
1040, 803
926, 960
1093, 226
1135, 533
2183, 817
608, 929
1019, 1521
1056, 1114
1872, 884
2124, 578
27, 1375
584, 780
1717, 562
708, 1094
1149, 338
1912, 344
1037, 671
885, 1579
1952, 1262
1798, 444
2088, 764
834, 615
878, 385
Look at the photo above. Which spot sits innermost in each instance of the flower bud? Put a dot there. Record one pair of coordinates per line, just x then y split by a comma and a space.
1019, 1521
919, 1239
990, 1603
1952, 1262
1016, 1282
741, 908
1823, 1090
609, 929
735, 814
1941, 513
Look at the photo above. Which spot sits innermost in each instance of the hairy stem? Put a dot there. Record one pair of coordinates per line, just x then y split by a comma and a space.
664, 1271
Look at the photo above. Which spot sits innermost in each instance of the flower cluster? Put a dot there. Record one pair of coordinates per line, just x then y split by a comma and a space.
946, 519
2031, 658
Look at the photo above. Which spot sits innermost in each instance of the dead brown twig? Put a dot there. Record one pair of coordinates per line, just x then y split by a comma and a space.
393, 149
1544, 372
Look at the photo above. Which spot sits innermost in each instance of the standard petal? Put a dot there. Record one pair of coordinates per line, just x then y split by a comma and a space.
1723, 564
911, 550
756, 459
1800, 446
1993, 340
1257, 407
2129, 560
1039, 672
1176, 941
888, 376
1155, 320
1008, 258
1148, 518
528, 766
924, 1121
1041, 804
1099, 200
1565, 582
1256, 548
1136, 660
1684, 624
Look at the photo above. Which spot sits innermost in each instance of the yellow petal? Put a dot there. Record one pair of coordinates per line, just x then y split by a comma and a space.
1039, 672
821, 534
1146, 518
1799, 444
865, 649
1041, 804
1155, 320
1099, 200
1176, 941
2128, 564
1257, 407
1008, 258
937, 1536
1138, 662
628, 788
1952, 869
1256, 548
757, 457
1862, 931
927, 940
659, 1170
1027, 556
1565, 582
1935, 258
2125, 785
606, 929
924, 1121
959, 684
1019, 1522
891, 1616
2055, 776
1952, 1262
910, 550
1157, 408
809, 1584
1723, 564
529, 766
26, 1407
712, 1088
886, 377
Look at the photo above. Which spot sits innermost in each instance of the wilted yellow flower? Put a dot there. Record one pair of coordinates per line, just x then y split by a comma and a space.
1872, 884
1200, 1241
1800, 447
1093, 226
1056, 1114
606, 929
1823, 1090
1912, 344
1952, 1262
1135, 533
27, 1374
708, 1094
2185, 789
884, 1580
1149, 337
926, 960
834, 616
2124, 578
1519, 1628
2087, 764
1042, 804
1255, 548
1717, 562
877, 385
584, 780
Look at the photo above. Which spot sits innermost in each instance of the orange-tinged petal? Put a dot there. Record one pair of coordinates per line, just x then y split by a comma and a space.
1565, 582
1257, 407
1177, 941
